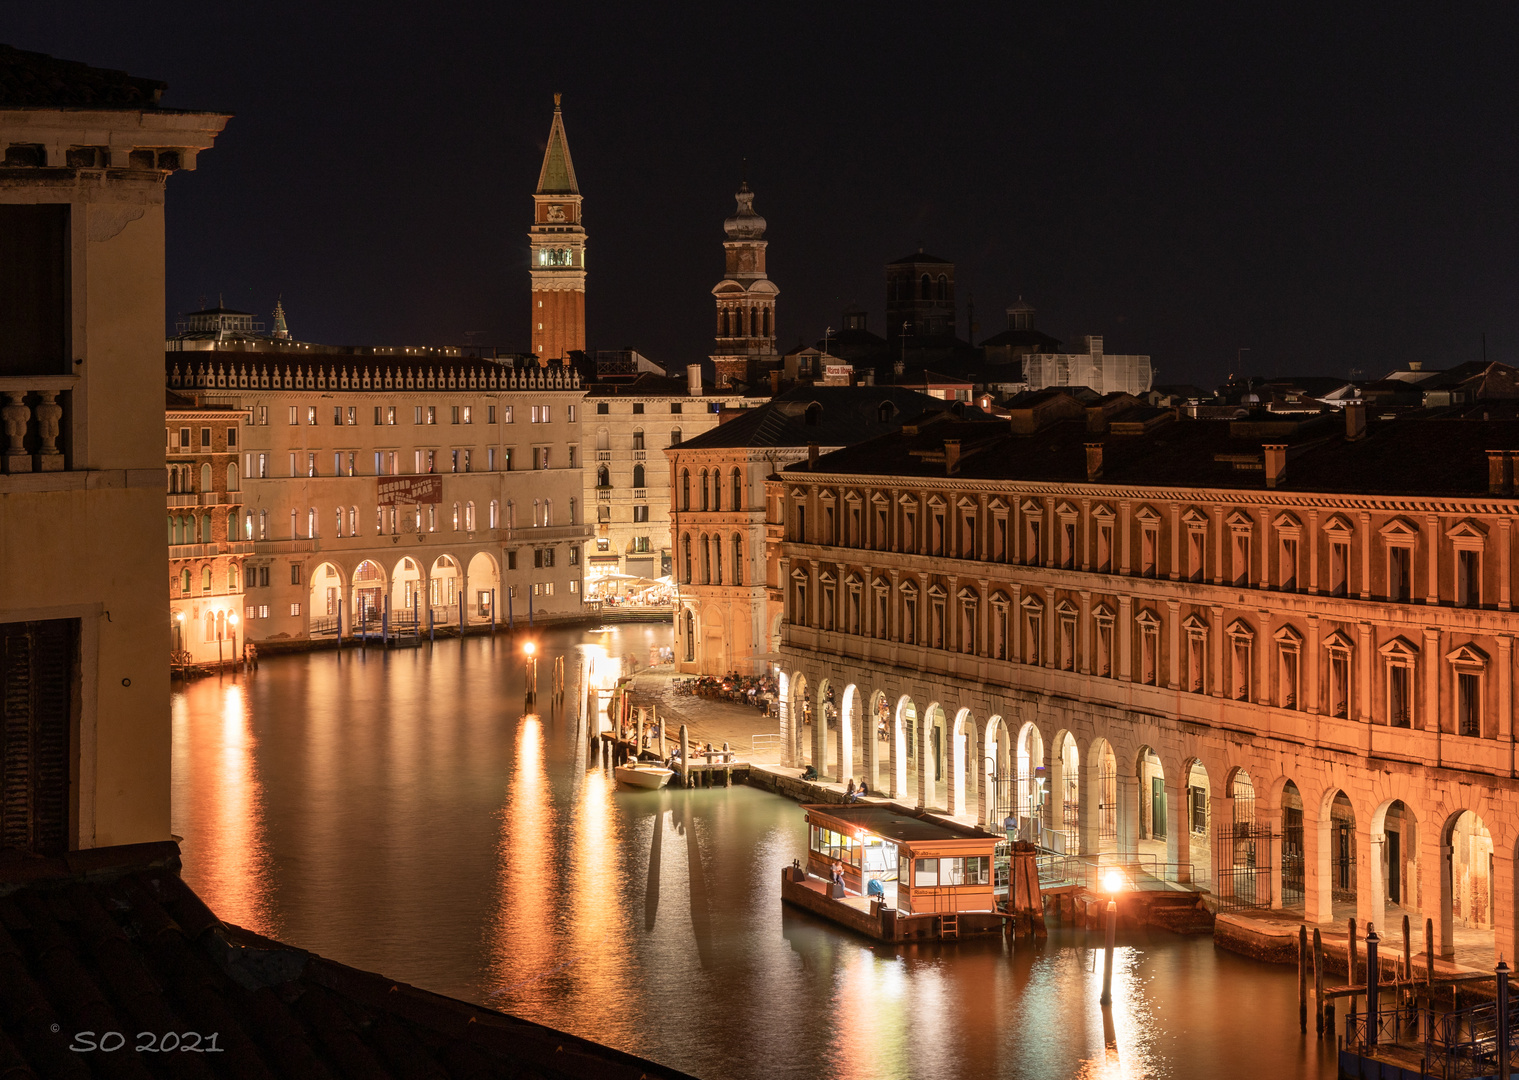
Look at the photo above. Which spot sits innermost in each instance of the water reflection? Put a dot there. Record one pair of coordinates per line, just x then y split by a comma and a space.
400, 812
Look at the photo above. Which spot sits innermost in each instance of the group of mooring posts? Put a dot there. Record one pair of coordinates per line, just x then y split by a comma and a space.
530, 673
714, 770
1403, 981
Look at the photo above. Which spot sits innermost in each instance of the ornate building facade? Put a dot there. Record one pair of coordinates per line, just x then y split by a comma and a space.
557, 252
745, 347
1147, 639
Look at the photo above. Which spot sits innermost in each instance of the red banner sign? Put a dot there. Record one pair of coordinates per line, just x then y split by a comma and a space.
410, 490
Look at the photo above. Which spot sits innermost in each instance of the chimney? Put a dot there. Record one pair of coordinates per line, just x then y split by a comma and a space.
1276, 462
812, 456
1500, 473
951, 456
693, 380
1094, 461
1355, 420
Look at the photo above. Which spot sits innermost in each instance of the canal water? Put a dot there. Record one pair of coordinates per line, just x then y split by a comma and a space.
403, 813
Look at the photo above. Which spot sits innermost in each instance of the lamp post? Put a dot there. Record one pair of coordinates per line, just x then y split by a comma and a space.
179, 631
1112, 883
232, 622
530, 671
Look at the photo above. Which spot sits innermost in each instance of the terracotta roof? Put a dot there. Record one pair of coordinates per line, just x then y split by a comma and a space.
32, 80
112, 939
845, 415
1440, 452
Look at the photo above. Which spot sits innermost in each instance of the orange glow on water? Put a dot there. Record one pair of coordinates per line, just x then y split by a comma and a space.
521, 939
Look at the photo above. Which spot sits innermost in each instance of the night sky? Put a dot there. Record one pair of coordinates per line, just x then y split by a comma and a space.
1331, 191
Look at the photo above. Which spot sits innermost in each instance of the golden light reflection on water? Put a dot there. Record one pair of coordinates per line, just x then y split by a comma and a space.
231, 874
522, 948
1129, 1026
600, 976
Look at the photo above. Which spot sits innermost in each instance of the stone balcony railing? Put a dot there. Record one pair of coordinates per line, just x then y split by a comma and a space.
32, 408
181, 499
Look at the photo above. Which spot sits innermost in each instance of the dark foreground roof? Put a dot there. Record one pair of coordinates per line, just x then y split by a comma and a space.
895, 822
38, 81
112, 940
1426, 453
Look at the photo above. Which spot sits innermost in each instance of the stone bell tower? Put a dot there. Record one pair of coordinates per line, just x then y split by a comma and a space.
558, 252
745, 345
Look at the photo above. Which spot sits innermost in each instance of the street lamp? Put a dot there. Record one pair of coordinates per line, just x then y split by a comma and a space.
1112, 884
530, 672
179, 631
232, 622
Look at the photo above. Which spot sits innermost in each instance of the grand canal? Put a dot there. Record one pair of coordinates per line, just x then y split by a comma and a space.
399, 812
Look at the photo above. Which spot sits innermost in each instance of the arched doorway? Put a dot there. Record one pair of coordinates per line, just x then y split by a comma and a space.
961, 788
1466, 893
407, 595
932, 759
1066, 785
849, 721
484, 580
1394, 865
368, 589
325, 604
1338, 843
1199, 822
1001, 780
1102, 769
824, 721
879, 736
801, 719
1030, 801
1154, 828
1241, 858
903, 727
443, 589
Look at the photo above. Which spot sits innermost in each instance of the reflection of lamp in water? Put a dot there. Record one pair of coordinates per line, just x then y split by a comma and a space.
1112, 884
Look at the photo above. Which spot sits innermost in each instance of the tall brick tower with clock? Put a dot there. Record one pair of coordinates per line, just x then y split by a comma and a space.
558, 252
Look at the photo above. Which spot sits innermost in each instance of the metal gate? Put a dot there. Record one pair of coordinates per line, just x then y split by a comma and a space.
1107, 799
1292, 856
1242, 861
1004, 800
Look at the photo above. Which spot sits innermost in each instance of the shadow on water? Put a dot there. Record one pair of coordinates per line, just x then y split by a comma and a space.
651, 894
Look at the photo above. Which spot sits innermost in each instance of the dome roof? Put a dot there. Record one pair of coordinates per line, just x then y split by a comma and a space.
746, 224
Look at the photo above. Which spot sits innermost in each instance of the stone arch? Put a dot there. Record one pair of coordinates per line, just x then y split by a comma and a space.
1393, 863
963, 790
1153, 832
824, 719
1197, 789
800, 715
877, 734
932, 747
1031, 775
408, 591
849, 720
483, 576
1468, 892
997, 756
445, 581
368, 593
1337, 848
904, 721
324, 602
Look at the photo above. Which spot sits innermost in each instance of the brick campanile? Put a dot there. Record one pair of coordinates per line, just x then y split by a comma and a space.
558, 252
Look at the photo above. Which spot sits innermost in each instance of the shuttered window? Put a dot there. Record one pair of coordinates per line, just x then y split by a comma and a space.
34, 298
37, 662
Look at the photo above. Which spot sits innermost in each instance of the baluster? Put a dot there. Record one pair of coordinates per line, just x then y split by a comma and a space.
15, 415
49, 413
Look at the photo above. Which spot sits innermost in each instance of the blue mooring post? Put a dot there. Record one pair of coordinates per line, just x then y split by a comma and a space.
1503, 1020
340, 626
1373, 1005
493, 613
462, 602
385, 620
511, 623
432, 635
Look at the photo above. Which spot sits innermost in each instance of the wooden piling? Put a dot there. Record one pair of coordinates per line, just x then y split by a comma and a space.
1350, 956
1429, 955
727, 767
1318, 979
1302, 978
685, 757
1408, 968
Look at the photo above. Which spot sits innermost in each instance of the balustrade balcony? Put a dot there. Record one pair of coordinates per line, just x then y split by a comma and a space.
32, 411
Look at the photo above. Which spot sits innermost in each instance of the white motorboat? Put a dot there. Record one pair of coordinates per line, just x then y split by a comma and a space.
643, 775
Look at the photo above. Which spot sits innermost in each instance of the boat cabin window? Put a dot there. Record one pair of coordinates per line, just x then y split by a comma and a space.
975, 870
834, 845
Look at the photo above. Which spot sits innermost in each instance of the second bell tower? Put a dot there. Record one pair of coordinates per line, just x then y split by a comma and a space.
558, 252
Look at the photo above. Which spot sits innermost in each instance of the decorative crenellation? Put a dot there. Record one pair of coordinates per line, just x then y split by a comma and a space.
479, 376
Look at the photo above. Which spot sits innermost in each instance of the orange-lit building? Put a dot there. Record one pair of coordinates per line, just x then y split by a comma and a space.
558, 252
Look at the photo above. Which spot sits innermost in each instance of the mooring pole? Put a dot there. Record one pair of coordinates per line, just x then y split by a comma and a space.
1302, 978
1408, 965
1107, 953
1503, 1022
1373, 995
1318, 980
1350, 959
685, 757
1429, 956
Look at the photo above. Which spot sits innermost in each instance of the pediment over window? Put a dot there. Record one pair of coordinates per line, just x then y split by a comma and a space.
1148, 515
1286, 635
1030, 506
1033, 604
1240, 521
852, 496
798, 493
1336, 525
1001, 599
965, 503
1399, 649
1467, 655
1147, 619
1286, 522
1338, 640
854, 581
827, 579
1067, 609
967, 593
1399, 529
1194, 625
798, 575
1195, 519
826, 495
879, 498
937, 591
909, 589
998, 506
1102, 613
880, 584
936, 502
1102, 512
1239, 628
1467, 529
908, 499
1065, 509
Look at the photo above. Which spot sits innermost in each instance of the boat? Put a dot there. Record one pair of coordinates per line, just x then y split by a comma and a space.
643, 775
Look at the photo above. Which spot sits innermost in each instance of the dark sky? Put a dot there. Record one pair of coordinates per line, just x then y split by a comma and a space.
1331, 191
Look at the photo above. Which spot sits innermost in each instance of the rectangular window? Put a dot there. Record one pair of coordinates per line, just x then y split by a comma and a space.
390, 414
1339, 569
378, 419
310, 414
1469, 703
35, 290
1287, 564
1400, 695
575, 559
295, 573
295, 609
263, 415
353, 415
506, 414
184, 437
602, 408
570, 413
640, 513
637, 408
295, 417
490, 414
416, 414
432, 414
675, 406
1399, 579
337, 415
1468, 578
205, 438
469, 414
453, 414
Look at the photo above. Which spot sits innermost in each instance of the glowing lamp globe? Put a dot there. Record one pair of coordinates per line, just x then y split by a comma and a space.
1112, 881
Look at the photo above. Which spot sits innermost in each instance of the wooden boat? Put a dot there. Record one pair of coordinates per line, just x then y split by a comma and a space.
643, 775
